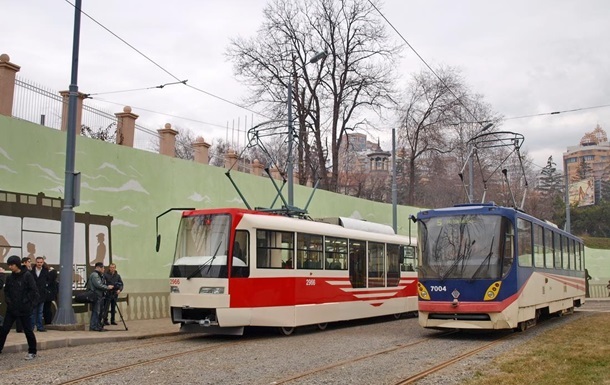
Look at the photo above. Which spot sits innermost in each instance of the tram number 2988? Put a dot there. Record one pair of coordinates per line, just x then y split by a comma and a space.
310, 282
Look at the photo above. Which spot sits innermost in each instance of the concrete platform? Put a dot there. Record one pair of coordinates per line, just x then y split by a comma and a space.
52, 339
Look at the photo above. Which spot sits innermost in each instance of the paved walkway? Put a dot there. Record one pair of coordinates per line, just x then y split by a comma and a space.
150, 328
51, 339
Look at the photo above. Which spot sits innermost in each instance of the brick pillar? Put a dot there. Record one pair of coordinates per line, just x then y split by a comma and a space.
167, 142
201, 150
8, 71
257, 168
230, 159
79, 110
125, 127
275, 173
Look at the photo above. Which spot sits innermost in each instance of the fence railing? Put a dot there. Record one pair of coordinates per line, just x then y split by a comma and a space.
37, 104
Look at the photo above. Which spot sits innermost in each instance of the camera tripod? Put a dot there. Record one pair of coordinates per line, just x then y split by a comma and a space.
107, 307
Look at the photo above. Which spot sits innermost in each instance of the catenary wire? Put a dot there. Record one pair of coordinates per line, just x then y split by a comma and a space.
162, 68
424, 61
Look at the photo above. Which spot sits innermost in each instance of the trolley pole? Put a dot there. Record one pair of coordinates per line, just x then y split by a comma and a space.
65, 313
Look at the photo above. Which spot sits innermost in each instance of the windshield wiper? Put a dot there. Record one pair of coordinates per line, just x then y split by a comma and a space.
208, 262
487, 259
459, 259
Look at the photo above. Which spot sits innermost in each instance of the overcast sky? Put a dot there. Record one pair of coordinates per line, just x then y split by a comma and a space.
525, 57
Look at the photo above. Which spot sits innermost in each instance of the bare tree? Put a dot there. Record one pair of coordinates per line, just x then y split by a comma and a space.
329, 97
438, 118
106, 134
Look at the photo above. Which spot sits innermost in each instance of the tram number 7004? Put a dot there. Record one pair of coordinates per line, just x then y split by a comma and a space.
310, 282
438, 288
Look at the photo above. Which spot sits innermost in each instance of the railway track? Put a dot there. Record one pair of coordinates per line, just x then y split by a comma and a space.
452, 361
121, 368
405, 381
45, 364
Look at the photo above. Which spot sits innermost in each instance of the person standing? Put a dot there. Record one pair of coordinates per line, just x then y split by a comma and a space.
97, 284
21, 295
27, 263
41, 276
47, 312
112, 278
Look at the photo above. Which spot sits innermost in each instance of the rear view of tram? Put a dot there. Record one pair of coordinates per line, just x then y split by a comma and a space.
484, 266
235, 268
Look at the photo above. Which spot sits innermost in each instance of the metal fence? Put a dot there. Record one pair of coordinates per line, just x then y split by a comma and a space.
37, 104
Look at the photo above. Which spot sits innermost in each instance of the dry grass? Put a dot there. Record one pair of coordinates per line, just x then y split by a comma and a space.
576, 354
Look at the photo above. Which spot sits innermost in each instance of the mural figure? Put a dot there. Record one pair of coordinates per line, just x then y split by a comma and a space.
31, 248
4, 248
100, 253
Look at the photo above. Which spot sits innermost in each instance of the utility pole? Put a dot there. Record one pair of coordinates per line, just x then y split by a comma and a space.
65, 313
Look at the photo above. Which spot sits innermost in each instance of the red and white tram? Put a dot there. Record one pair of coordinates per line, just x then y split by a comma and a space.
286, 272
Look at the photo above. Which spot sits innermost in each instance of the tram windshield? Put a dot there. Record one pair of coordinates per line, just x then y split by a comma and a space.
465, 247
201, 247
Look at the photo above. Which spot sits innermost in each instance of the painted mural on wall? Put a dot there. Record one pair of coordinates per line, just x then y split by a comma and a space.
30, 226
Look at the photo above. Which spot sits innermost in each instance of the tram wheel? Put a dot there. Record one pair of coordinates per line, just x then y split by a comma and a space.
323, 326
521, 326
285, 331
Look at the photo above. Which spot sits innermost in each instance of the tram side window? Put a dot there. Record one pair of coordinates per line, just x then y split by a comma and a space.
580, 254
274, 249
566, 252
538, 246
524, 239
549, 248
573, 253
357, 263
408, 258
336, 253
241, 247
509, 247
393, 264
309, 251
376, 276
558, 251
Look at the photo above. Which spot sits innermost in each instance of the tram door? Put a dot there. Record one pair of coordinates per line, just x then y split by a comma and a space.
357, 263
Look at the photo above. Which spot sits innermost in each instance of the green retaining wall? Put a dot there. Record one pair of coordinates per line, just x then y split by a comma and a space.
134, 186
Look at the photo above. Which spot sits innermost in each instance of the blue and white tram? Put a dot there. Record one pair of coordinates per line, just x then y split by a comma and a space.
484, 266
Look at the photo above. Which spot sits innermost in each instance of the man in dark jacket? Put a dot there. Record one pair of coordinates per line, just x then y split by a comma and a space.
97, 284
112, 278
21, 295
41, 276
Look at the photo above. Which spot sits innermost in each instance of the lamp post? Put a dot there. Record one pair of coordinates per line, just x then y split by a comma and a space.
65, 313
289, 164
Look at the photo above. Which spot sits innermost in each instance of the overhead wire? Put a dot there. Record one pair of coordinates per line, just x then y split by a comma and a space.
136, 89
161, 67
424, 61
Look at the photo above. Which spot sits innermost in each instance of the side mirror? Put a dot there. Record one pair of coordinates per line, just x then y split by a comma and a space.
158, 242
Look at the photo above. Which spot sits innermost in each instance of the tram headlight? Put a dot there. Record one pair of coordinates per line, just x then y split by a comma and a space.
211, 290
492, 291
174, 289
422, 292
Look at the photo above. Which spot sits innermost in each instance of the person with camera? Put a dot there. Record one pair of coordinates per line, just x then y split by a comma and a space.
112, 278
97, 284
21, 295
